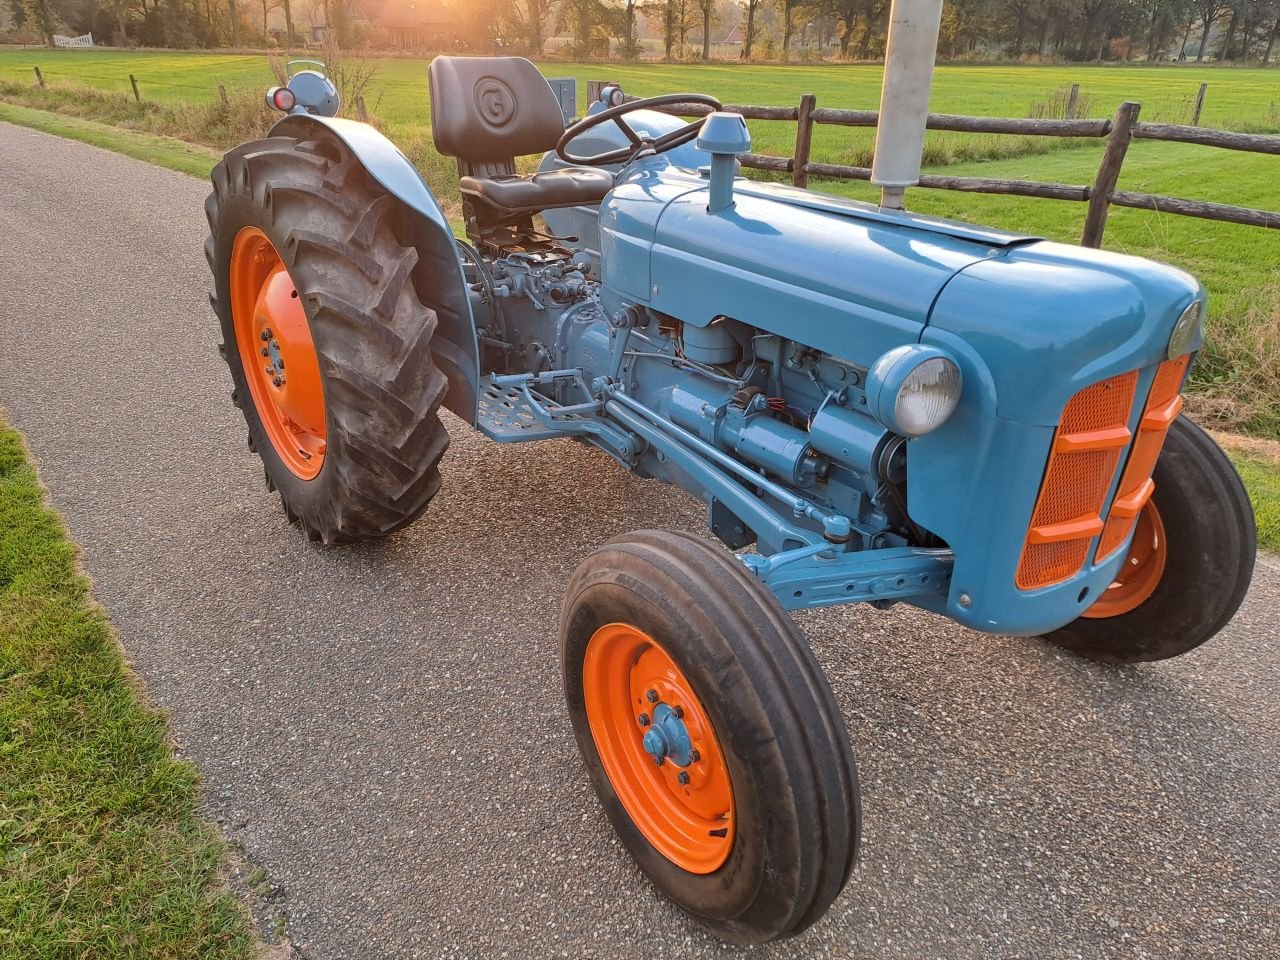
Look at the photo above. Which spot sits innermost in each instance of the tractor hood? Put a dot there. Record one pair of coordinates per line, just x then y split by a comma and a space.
839, 276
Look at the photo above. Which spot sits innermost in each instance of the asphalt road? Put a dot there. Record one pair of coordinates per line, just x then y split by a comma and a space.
381, 728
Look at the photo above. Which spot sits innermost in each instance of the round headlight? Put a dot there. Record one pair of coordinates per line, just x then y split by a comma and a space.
913, 389
1186, 332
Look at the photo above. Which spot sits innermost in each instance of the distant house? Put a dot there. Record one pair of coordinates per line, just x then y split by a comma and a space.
407, 24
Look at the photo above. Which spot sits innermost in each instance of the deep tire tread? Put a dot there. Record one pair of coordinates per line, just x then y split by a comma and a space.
333, 227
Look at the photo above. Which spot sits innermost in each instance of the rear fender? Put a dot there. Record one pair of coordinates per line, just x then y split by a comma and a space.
438, 276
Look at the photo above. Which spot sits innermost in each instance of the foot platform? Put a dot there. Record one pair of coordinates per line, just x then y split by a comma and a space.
507, 416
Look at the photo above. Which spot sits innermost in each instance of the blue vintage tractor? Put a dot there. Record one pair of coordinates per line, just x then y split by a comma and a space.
888, 408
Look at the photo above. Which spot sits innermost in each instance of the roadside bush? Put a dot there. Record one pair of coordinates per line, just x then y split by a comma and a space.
244, 116
1056, 105
1237, 377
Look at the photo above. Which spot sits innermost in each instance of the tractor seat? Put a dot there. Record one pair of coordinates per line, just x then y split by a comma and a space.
565, 187
485, 112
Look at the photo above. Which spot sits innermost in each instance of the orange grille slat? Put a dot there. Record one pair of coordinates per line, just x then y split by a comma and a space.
1136, 486
1087, 446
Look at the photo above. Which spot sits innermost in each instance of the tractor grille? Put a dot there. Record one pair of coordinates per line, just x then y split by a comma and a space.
1087, 447
1136, 486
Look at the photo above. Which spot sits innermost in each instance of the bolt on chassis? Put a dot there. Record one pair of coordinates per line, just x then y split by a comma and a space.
892, 409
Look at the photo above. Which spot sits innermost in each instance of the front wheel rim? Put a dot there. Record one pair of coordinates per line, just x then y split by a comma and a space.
1141, 571
277, 353
658, 748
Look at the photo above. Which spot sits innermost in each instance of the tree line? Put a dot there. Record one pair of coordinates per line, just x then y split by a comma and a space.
1083, 30
1079, 30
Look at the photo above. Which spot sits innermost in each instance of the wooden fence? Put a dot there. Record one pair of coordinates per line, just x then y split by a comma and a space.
1101, 195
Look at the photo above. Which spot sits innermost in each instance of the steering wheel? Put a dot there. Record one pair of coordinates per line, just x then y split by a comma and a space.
668, 141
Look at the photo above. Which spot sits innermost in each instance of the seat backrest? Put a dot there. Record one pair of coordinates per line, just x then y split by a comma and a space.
487, 110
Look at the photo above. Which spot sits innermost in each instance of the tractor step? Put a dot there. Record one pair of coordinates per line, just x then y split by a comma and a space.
506, 416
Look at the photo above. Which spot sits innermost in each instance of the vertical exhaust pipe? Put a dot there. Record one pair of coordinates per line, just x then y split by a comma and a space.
904, 97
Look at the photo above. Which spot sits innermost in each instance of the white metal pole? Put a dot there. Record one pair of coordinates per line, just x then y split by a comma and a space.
904, 97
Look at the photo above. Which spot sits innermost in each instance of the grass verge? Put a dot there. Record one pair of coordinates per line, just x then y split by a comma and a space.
1259, 464
191, 158
102, 854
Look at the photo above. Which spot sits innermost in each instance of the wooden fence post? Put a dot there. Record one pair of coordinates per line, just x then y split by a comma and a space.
222, 95
133, 82
1195, 114
1104, 184
804, 140
362, 112
39, 77
1072, 100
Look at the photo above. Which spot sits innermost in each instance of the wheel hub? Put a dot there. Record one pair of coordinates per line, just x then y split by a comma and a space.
643, 713
667, 738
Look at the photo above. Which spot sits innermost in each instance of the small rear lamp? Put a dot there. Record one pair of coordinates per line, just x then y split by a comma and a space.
282, 99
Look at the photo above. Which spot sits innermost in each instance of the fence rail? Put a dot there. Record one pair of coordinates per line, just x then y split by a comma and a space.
1101, 195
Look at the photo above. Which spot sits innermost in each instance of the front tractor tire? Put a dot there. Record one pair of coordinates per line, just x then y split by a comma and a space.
328, 343
1188, 568
710, 734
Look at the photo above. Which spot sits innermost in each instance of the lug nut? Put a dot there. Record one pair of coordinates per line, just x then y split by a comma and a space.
651, 696
266, 352
694, 756
266, 335
659, 760
644, 719
678, 711
683, 778
277, 381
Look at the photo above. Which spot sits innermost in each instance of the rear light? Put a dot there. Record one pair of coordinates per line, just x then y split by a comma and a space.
282, 99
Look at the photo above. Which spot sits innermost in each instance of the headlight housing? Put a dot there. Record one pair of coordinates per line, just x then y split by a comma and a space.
914, 389
1186, 331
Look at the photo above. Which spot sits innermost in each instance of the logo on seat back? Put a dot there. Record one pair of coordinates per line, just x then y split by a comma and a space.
495, 102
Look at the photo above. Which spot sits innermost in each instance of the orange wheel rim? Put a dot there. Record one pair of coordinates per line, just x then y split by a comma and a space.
277, 353
633, 690
1141, 570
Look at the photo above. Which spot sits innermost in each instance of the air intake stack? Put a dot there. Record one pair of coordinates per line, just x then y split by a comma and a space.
904, 97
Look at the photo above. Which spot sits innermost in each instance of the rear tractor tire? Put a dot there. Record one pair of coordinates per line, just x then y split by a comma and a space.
710, 735
1188, 567
328, 343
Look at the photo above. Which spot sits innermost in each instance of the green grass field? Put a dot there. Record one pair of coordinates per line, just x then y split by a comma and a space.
1237, 382
102, 854
1243, 99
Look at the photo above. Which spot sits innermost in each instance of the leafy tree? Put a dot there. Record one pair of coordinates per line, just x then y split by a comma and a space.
673, 18
787, 10
749, 39
1208, 11
41, 17
626, 22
